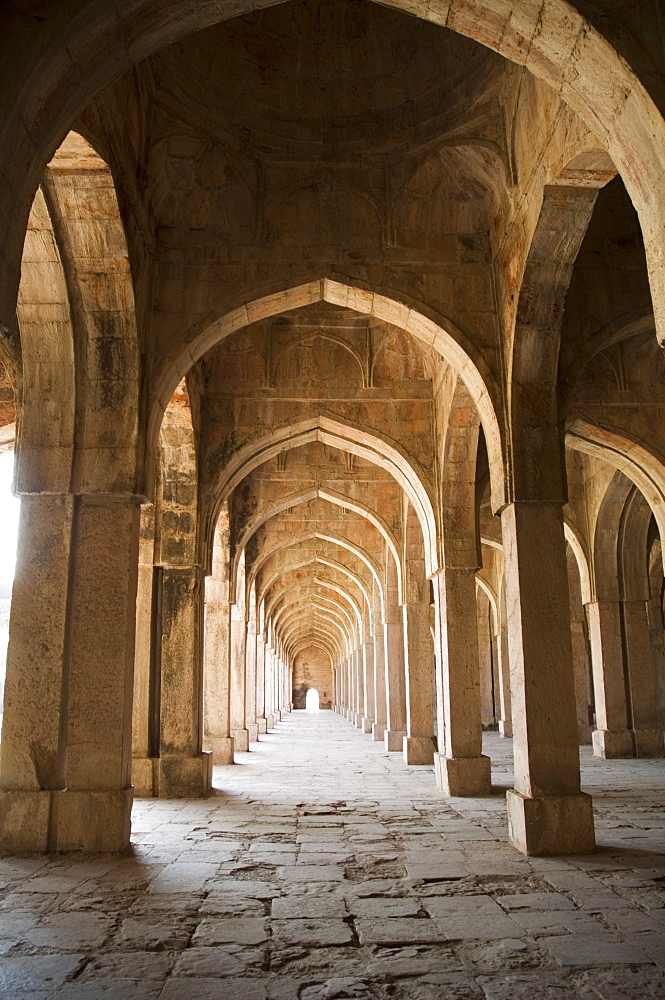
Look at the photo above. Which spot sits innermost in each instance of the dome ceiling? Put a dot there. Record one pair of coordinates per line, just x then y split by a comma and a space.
313, 78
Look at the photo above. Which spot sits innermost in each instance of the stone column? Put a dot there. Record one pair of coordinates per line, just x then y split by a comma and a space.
250, 658
65, 770
503, 665
278, 686
261, 684
270, 686
353, 687
647, 737
547, 812
486, 673
216, 703
578, 636
143, 748
368, 675
359, 661
418, 744
238, 702
379, 727
183, 770
610, 737
461, 767
395, 681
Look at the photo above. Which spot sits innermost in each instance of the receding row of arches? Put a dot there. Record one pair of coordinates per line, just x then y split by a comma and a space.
268, 445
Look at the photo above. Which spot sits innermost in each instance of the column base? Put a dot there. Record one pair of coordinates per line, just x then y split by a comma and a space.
464, 777
270, 722
221, 748
358, 722
610, 745
418, 749
505, 728
183, 777
366, 724
253, 730
142, 768
65, 820
263, 725
648, 742
584, 734
551, 824
394, 741
240, 740
378, 732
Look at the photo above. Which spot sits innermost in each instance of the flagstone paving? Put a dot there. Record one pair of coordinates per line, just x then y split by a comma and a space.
324, 868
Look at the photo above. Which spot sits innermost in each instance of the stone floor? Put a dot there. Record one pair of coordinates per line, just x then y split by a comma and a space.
324, 868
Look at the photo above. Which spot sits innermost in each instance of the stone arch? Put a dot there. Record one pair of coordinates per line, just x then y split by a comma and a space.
633, 458
344, 543
331, 338
557, 44
332, 497
86, 372
331, 564
443, 336
578, 548
346, 438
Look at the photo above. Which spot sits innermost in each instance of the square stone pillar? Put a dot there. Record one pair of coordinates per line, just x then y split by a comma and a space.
250, 659
183, 769
238, 680
395, 681
379, 727
418, 744
65, 782
503, 669
270, 687
368, 678
578, 635
647, 736
461, 767
547, 812
216, 674
359, 676
143, 741
611, 738
261, 684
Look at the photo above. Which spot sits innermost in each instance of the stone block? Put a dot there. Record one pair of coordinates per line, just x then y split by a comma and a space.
240, 740
475, 917
418, 749
315, 905
649, 742
142, 777
366, 724
397, 931
394, 741
611, 745
24, 820
550, 824
463, 776
184, 777
96, 822
222, 749
213, 931
378, 732
312, 932
586, 949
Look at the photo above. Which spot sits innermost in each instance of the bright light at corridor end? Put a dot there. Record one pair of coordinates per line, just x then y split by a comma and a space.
312, 701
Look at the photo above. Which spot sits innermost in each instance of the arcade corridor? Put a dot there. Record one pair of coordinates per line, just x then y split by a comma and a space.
324, 868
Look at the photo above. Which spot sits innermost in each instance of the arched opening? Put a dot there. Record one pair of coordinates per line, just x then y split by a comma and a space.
9, 518
312, 700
